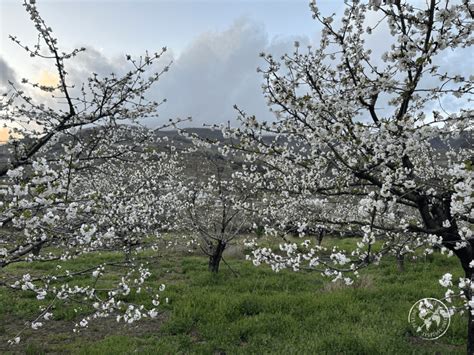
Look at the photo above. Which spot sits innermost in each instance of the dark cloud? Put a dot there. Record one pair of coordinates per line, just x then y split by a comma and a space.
6, 73
217, 71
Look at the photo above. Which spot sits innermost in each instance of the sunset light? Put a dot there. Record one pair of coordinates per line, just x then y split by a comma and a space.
48, 78
4, 134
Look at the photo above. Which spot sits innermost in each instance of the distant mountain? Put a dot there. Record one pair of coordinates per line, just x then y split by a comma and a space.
464, 141
205, 133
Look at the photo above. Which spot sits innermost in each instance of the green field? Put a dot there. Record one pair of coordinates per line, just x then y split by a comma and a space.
259, 312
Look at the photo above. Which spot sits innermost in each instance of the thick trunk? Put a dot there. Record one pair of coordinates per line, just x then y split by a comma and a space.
465, 256
216, 256
434, 215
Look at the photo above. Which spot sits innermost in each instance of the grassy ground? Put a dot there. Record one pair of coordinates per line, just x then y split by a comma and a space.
260, 312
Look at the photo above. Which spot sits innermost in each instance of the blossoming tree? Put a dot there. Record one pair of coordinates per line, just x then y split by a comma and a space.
83, 177
382, 140
215, 204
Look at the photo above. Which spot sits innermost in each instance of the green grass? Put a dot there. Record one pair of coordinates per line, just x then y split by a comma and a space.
260, 312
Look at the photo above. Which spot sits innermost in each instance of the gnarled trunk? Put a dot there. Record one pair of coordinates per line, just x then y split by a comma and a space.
216, 256
465, 256
434, 215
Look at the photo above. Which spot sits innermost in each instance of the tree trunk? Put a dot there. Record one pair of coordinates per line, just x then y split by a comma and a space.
465, 257
216, 256
433, 216
36, 249
401, 262
320, 235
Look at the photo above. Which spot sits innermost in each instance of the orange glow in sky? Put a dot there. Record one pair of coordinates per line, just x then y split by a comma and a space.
4, 134
48, 78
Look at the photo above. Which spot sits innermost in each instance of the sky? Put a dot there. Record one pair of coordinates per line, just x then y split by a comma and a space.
213, 44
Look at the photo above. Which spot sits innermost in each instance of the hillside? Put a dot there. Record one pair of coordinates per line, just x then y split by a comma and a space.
465, 141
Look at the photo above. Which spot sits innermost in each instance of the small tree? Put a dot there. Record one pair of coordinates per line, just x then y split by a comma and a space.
282, 212
83, 177
216, 205
371, 134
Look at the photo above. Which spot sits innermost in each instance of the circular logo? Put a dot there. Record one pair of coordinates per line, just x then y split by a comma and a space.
430, 318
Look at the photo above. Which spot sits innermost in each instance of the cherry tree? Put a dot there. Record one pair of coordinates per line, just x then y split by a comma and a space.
280, 211
382, 140
83, 176
215, 204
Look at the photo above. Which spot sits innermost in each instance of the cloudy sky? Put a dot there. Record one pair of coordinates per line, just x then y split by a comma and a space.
214, 46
